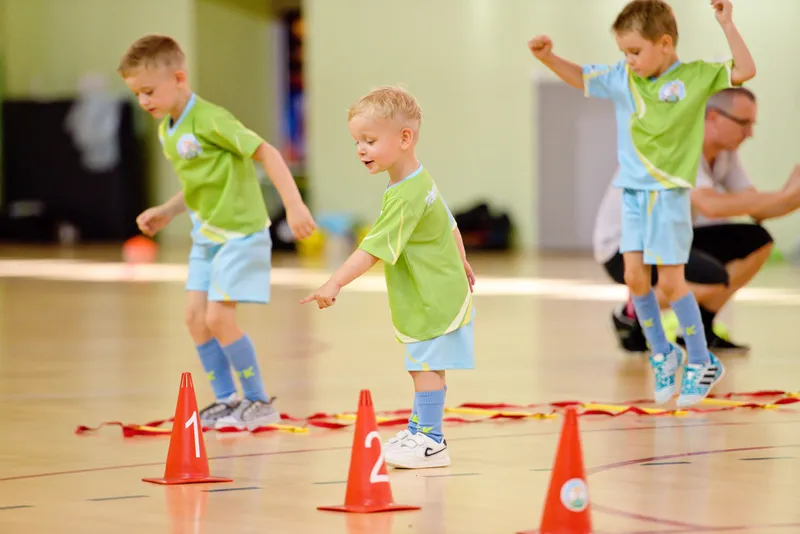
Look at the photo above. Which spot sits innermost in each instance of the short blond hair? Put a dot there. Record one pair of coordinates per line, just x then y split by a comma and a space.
388, 102
152, 51
650, 18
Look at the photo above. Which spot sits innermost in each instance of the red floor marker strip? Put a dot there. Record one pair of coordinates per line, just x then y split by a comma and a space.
482, 412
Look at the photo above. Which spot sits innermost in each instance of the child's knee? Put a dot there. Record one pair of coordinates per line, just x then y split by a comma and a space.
673, 289
428, 380
638, 279
220, 319
196, 321
672, 282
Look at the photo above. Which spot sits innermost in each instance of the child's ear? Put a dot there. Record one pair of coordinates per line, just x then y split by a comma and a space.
406, 137
181, 76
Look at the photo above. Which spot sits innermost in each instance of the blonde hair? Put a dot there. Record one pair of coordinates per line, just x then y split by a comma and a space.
388, 102
152, 51
650, 18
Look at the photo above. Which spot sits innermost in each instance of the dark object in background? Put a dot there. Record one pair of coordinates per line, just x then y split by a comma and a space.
46, 187
482, 230
282, 237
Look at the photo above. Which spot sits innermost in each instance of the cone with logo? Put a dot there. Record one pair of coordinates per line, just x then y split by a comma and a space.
566, 510
187, 462
368, 488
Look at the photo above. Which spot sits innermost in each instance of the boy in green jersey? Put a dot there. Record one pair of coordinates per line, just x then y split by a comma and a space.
230, 261
428, 278
660, 106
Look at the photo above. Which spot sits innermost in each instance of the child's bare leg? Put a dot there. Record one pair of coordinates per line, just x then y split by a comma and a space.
255, 410
221, 321
212, 357
673, 283
637, 278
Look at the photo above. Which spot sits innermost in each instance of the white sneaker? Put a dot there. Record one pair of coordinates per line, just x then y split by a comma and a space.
250, 415
394, 442
217, 410
417, 451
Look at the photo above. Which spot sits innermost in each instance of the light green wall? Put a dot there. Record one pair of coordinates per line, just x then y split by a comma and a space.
2, 79
50, 44
462, 61
468, 64
234, 61
465, 60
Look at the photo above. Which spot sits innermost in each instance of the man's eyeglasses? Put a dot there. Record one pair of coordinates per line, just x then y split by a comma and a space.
744, 123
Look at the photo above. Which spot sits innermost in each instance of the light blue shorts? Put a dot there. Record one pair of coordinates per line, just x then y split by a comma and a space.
237, 271
455, 350
658, 224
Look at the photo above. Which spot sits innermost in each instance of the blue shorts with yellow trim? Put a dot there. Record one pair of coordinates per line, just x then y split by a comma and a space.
454, 350
236, 271
658, 224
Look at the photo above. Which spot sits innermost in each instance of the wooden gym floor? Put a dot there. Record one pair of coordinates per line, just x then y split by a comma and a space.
83, 341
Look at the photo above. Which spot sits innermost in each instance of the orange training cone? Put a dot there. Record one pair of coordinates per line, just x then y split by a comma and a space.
368, 488
566, 510
187, 462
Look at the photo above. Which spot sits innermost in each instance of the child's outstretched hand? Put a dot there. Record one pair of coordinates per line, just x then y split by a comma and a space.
541, 46
723, 9
325, 295
153, 220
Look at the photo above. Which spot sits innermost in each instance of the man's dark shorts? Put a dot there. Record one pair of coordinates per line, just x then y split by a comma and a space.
713, 247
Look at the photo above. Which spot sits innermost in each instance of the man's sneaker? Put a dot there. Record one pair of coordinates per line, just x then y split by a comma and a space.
664, 368
216, 410
629, 332
717, 343
250, 415
395, 441
418, 451
698, 379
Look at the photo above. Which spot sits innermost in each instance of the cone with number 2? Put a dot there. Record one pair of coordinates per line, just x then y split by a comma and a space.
187, 462
368, 488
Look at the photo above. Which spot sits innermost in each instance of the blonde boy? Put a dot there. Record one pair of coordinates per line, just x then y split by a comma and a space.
230, 261
428, 278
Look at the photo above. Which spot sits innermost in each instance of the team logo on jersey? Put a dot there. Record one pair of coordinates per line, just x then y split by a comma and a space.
673, 91
431, 198
188, 146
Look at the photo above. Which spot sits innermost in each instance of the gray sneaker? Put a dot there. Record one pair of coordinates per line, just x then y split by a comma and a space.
250, 415
218, 409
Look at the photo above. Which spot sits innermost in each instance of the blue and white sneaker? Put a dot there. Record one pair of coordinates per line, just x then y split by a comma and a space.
664, 368
698, 379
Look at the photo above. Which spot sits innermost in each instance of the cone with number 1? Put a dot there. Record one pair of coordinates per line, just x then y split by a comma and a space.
368, 488
187, 462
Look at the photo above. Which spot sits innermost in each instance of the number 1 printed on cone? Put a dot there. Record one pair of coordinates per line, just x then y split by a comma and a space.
187, 462
368, 488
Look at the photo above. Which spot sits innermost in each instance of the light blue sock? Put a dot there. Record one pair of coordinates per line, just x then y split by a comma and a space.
431, 412
217, 368
688, 313
649, 315
413, 420
242, 356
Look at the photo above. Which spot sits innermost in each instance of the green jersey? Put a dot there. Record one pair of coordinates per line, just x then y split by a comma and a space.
429, 294
660, 121
211, 152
